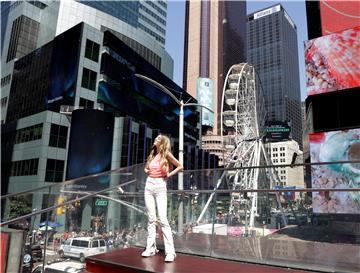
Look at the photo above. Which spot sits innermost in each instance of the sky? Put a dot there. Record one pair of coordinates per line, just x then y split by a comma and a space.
175, 32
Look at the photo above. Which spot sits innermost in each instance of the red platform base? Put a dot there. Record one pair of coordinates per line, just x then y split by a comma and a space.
129, 260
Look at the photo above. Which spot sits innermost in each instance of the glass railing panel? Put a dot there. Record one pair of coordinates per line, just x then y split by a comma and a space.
55, 195
292, 224
192, 237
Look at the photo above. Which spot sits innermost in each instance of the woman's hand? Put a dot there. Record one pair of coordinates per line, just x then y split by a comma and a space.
146, 170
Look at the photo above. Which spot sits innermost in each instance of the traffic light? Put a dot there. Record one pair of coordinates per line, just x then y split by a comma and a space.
77, 202
60, 210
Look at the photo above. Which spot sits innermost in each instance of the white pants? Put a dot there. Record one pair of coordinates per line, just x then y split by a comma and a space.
156, 195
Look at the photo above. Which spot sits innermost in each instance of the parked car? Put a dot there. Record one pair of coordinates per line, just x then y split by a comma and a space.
82, 247
60, 267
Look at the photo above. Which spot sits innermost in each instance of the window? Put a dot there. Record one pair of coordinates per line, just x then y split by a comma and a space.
29, 133
95, 244
3, 102
54, 170
24, 167
58, 136
80, 243
88, 79
102, 243
5, 80
92, 50
86, 104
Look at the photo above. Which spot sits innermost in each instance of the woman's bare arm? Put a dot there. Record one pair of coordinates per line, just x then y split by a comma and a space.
176, 163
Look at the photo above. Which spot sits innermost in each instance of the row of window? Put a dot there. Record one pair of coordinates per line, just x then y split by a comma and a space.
152, 33
24, 167
23, 39
38, 4
147, 20
5, 80
159, 10
282, 160
30, 133
4, 102
158, 18
54, 169
275, 149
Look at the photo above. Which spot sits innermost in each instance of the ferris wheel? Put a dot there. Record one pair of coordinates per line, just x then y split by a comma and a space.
242, 122
242, 125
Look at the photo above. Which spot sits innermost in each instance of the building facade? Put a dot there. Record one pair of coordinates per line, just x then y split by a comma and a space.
215, 36
27, 25
272, 49
287, 152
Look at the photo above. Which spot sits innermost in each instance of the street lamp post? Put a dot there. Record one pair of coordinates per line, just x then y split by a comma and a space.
181, 139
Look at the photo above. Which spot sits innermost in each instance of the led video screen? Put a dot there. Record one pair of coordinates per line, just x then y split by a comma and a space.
339, 15
335, 146
90, 148
332, 62
64, 68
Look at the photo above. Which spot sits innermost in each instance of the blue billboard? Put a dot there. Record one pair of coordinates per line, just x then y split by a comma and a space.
204, 96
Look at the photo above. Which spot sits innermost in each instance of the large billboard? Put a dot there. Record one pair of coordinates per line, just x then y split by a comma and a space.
204, 95
332, 62
64, 68
90, 148
339, 15
333, 147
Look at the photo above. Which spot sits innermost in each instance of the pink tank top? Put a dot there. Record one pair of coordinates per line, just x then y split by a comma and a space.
155, 169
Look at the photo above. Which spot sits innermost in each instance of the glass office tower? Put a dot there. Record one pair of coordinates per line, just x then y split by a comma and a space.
272, 49
150, 16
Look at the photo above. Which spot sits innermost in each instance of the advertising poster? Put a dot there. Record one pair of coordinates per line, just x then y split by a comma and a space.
333, 147
332, 62
205, 91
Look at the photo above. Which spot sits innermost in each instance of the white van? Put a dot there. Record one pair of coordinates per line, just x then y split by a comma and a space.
82, 247
61, 267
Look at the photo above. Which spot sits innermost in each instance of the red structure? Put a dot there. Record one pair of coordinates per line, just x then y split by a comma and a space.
129, 260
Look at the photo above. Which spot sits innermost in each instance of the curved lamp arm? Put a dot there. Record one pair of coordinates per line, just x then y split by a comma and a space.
196, 104
155, 83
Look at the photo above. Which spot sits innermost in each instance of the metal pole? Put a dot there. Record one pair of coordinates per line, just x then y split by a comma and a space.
181, 174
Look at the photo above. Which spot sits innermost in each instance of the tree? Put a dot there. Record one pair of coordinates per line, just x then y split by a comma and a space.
19, 206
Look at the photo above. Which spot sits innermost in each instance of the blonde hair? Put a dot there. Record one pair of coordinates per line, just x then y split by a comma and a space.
163, 151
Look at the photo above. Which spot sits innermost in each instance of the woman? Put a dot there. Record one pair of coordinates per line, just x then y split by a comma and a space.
158, 168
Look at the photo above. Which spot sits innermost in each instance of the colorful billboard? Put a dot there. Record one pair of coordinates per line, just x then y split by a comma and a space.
332, 62
339, 15
204, 95
333, 147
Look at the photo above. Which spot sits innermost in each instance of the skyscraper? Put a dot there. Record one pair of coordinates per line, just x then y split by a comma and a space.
272, 49
215, 36
27, 25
